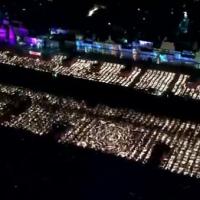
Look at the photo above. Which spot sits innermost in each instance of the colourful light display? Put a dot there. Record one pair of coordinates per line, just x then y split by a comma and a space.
146, 44
97, 47
2, 34
12, 38
115, 49
21, 31
58, 31
34, 42
34, 53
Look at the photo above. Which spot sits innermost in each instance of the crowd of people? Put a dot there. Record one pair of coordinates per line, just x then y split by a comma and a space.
123, 132
28, 62
154, 81
182, 87
108, 72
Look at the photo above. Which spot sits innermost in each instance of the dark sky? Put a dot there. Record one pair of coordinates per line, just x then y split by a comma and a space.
155, 15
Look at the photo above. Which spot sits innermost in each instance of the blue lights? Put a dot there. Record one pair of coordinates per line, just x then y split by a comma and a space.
97, 45
163, 58
58, 31
116, 49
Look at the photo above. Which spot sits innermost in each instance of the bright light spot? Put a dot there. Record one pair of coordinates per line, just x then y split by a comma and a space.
185, 14
95, 9
55, 75
92, 11
34, 53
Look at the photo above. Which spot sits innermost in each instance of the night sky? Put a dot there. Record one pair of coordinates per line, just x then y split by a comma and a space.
141, 18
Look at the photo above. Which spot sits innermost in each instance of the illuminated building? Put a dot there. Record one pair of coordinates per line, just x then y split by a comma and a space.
12, 32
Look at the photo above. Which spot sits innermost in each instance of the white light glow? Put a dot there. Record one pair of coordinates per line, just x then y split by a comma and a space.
185, 14
92, 11
95, 9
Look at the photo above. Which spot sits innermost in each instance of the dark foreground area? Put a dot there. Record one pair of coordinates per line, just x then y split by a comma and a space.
34, 167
